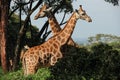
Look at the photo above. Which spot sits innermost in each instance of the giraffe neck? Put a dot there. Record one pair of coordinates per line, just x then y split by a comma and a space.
55, 27
67, 31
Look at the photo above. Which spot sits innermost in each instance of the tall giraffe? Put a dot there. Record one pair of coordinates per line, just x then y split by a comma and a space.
55, 27
48, 53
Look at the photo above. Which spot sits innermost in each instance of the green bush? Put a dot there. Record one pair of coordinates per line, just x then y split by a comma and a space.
101, 62
42, 74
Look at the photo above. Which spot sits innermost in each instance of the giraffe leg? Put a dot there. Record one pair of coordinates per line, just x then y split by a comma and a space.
30, 70
53, 60
24, 66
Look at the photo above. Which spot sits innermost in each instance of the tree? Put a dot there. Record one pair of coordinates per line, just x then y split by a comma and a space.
114, 2
107, 38
4, 7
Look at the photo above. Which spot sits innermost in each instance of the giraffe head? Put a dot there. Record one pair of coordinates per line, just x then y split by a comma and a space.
43, 11
81, 14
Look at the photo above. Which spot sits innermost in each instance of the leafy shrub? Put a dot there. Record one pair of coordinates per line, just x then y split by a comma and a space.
42, 74
101, 62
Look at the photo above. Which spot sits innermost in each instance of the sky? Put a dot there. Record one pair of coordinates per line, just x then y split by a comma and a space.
105, 19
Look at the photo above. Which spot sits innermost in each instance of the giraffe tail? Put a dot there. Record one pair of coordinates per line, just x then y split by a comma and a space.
24, 65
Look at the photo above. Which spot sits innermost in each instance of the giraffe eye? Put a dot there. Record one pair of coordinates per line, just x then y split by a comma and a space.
83, 13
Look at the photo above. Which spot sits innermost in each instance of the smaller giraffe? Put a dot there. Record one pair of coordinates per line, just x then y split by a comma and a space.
49, 52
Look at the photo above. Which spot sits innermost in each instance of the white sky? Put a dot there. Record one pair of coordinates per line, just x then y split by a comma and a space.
105, 17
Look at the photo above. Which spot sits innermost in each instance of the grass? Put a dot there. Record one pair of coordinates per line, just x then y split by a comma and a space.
42, 74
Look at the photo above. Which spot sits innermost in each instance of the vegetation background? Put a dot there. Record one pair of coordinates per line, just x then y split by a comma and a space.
99, 59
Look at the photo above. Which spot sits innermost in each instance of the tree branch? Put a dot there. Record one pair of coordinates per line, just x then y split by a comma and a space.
42, 30
12, 12
63, 18
30, 4
58, 7
63, 23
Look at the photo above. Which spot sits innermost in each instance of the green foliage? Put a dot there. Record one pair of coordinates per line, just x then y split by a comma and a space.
106, 62
13, 31
115, 45
101, 62
69, 68
42, 74
65, 7
106, 38
114, 2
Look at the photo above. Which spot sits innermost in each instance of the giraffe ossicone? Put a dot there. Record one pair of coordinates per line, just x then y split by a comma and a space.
48, 53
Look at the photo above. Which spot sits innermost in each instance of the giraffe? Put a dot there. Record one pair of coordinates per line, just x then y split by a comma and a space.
48, 53
55, 27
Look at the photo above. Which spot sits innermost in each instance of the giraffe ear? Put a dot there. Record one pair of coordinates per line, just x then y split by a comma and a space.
49, 9
76, 10
26, 47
